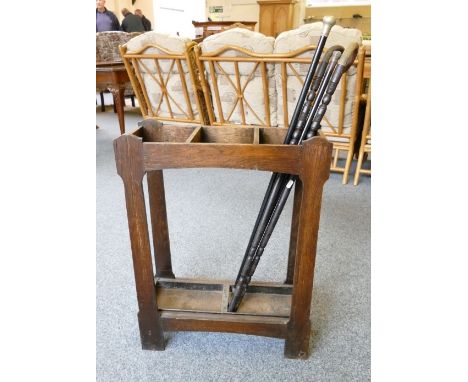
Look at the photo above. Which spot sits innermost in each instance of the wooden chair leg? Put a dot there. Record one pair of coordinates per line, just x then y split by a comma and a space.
349, 160
358, 168
335, 159
103, 106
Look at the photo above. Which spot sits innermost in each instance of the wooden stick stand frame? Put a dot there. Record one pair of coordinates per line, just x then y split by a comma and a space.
165, 303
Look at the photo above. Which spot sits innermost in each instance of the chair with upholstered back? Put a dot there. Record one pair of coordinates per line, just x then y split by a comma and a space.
238, 78
163, 73
250, 79
338, 124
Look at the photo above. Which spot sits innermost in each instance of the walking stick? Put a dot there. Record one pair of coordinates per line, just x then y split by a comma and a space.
274, 185
312, 125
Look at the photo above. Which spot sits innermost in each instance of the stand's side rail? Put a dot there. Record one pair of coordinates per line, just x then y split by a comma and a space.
276, 158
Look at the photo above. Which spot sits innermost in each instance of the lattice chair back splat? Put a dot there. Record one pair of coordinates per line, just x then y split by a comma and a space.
164, 75
237, 77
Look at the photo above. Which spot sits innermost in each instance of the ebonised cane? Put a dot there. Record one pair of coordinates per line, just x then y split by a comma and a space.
285, 182
274, 185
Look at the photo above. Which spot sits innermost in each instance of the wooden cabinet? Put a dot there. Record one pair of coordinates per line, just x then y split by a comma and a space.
207, 28
276, 16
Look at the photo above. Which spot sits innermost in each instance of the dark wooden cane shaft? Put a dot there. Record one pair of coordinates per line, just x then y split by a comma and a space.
160, 230
311, 84
271, 212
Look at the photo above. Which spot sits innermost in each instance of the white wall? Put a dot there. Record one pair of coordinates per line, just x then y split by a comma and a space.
249, 10
237, 10
145, 6
172, 16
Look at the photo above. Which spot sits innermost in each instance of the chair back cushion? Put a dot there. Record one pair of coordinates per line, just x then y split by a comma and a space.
241, 86
166, 82
309, 34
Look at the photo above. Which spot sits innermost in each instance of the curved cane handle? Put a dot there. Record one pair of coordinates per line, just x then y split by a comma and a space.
328, 22
349, 55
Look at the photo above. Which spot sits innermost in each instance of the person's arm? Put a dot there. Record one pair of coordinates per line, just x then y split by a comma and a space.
146, 23
115, 23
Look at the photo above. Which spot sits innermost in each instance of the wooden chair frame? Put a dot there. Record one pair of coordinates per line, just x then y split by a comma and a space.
341, 141
207, 92
136, 67
211, 90
365, 147
363, 66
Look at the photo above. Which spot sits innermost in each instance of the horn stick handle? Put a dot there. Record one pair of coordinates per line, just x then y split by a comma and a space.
349, 55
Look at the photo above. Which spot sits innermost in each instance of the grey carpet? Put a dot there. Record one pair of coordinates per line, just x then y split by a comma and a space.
211, 213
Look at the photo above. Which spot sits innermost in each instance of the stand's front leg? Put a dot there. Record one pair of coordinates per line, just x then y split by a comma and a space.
161, 245
129, 159
316, 169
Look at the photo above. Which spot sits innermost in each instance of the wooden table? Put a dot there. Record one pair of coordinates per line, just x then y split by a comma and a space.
113, 76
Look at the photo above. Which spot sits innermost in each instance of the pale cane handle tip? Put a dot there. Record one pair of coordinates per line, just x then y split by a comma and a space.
328, 22
349, 55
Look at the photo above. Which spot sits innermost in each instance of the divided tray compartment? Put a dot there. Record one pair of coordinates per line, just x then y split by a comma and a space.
155, 132
209, 296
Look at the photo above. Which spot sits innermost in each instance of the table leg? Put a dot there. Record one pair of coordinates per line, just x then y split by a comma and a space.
118, 94
103, 106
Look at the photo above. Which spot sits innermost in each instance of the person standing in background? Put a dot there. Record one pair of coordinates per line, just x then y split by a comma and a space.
144, 20
131, 23
105, 19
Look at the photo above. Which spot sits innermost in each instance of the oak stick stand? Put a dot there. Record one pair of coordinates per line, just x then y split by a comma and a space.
165, 303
